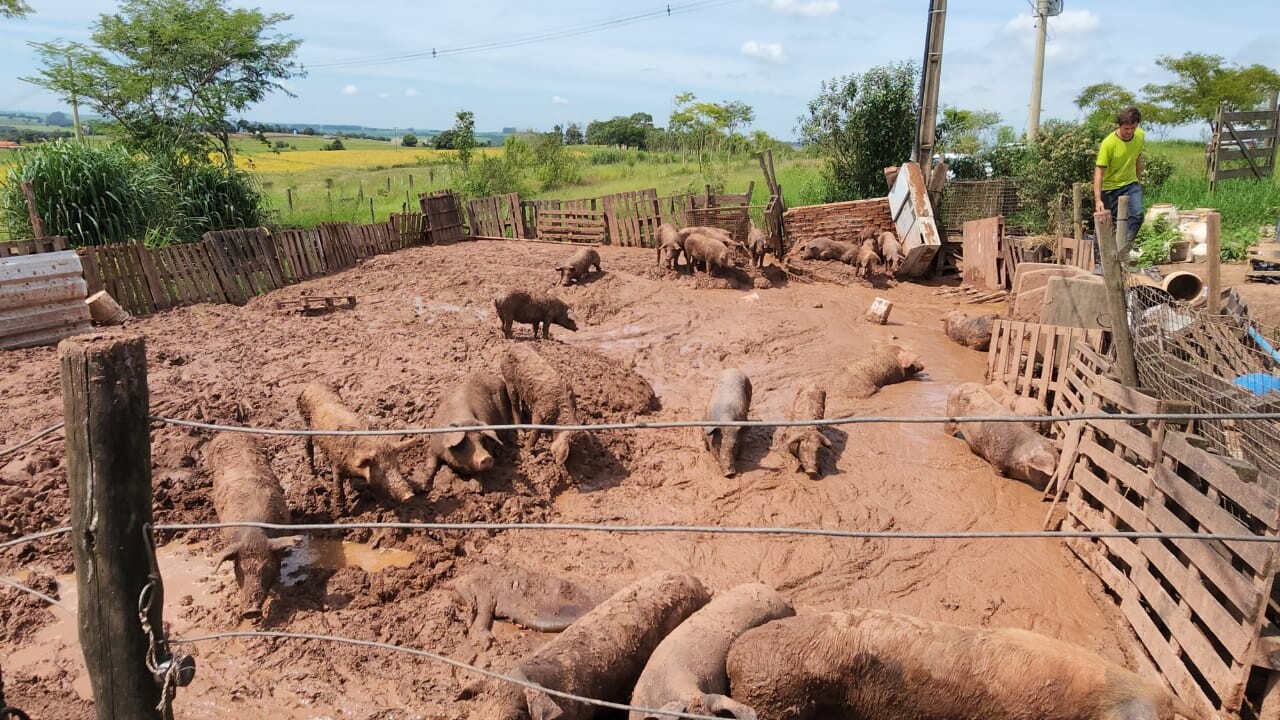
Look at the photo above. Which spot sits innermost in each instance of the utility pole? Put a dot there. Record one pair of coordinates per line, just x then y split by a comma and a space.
75, 106
1037, 69
926, 127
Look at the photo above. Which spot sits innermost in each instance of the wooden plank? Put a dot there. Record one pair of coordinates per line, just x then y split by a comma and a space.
1251, 116
1240, 173
1213, 518
1109, 462
1257, 502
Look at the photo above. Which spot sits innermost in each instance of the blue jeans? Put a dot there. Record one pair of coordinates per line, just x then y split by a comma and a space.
1111, 200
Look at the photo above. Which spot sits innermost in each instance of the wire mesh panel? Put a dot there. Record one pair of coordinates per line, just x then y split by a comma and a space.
965, 200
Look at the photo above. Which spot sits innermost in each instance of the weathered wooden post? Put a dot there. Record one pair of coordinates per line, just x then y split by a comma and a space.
1077, 211
1213, 256
410, 181
371, 220
388, 184
288, 192
1113, 276
105, 405
33, 213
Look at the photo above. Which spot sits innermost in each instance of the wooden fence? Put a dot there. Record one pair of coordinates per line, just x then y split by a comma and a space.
529, 209
1031, 359
1251, 136
1201, 609
443, 211
632, 218
569, 225
13, 248
496, 216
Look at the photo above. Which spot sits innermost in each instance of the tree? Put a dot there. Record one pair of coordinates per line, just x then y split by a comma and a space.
58, 119
14, 9
170, 72
1205, 81
573, 135
961, 130
464, 136
699, 122
1103, 101
862, 124
409, 140
308, 131
443, 140
620, 130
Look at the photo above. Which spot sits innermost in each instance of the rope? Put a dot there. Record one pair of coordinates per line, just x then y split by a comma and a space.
448, 661
34, 536
11, 450
32, 591
665, 424
732, 530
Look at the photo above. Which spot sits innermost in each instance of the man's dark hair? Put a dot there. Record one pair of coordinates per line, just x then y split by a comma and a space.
1129, 116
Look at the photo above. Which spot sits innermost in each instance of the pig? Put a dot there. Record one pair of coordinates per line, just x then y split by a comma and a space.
480, 398
578, 265
670, 245
891, 251
731, 400
867, 261
825, 249
375, 459
736, 247
757, 244
970, 332
534, 308
540, 396
599, 656
533, 600
1014, 449
709, 251
802, 443
246, 490
1020, 405
886, 365
864, 663
686, 673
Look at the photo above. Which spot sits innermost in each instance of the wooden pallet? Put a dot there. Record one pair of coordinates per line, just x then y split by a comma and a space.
571, 225
1030, 359
318, 304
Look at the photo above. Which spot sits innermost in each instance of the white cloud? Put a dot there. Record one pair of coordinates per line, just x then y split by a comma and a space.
807, 8
384, 95
410, 92
350, 90
557, 100
769, 52
1070, 22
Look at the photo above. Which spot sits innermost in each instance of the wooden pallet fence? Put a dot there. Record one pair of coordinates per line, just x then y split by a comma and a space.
530, 208
496, 216
118, 269
411, 227
246, 262
1199, 608
734, 218
632, 218
444, 217
185, 275
336, 245
566, 225
41, 299
673, 210
984, 267
710, 200
53, 243
1031, 359
301, 254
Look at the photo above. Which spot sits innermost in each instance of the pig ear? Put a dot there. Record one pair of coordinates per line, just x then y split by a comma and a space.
793, 445
364, 461
492, 435
406, 444
229, 554
454, 439
541, 706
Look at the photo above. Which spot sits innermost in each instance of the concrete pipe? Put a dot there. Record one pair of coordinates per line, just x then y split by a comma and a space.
1183, 285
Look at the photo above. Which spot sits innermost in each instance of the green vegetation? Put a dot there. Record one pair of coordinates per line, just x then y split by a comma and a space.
1154, 241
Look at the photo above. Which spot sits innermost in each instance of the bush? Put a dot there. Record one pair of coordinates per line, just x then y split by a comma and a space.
1064, 153
335, 145
490, 176
409, 140
1153, 241
1156, 171
210, 197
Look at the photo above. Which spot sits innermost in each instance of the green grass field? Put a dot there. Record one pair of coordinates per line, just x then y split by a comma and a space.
1245, 205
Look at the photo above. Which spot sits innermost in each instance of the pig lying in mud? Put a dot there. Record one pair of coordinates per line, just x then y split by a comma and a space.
709, 251
970, 332
670, 245
891, 251
535, 308
478, 399
246, 490
1020, 405
375, 459
686, 673
825, 249
866, 663
802, 443
1014, 449
532, 600
886, 365
757, 246
540, 396
578, 265
599, 656
730, 400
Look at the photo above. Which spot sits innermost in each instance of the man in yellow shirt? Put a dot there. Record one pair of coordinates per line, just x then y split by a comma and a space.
1119, 169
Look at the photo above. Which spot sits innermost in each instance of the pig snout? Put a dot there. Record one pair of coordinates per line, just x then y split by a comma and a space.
258, 570
569, 324
470, 456
728, 449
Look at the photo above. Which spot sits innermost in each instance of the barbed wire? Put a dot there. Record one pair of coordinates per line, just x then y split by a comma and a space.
34, 536
51, 429
444, 659
739, 530
32, 591
668, 424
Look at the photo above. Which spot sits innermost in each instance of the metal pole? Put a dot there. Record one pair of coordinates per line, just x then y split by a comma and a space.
1037, 69
931, 72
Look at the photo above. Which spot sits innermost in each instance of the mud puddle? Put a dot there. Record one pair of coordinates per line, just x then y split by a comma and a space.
333, 554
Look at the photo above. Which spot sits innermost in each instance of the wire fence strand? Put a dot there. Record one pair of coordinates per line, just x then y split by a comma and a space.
34, 536
36, 593
668, 424
31, 440
440, 658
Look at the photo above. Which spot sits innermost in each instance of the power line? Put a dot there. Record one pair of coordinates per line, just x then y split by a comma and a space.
567, 31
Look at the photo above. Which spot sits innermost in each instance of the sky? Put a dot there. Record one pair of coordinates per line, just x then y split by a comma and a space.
771, 54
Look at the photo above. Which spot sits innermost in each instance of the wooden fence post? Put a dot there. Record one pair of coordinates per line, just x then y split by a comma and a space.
371, 220
105, 406
37, 223
1213, 256
289, 194
1113, 276
1077, 211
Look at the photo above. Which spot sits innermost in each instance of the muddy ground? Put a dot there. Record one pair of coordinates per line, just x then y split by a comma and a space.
648, 346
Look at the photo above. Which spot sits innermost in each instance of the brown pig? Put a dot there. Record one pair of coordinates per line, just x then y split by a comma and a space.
803, 442
599, 656
533, 600
578, 265
970, 332
670, 245
535, 308
686, 672
886, 365
825, 249
709, 251
731, 400
480, 398
891, 251
246, 490
540, 396
867, 260
757, 244
375, 459
864, 663
1014, 449
1020, 405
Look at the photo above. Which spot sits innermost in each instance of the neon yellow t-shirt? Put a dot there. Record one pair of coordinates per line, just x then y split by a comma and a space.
1120, 159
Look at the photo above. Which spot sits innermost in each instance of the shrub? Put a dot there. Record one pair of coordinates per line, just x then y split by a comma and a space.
1153, 241
409, 140
1157, 169
211, 197
490, 176
1064, 153
335, 145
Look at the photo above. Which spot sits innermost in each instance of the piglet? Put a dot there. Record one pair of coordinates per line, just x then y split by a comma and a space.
730, 400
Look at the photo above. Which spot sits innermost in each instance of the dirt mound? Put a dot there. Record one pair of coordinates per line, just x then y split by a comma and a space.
21, 614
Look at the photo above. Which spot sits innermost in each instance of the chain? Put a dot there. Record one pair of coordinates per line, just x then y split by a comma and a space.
6, 711
170, 672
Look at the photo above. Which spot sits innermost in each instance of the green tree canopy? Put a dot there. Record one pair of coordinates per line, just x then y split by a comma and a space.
14, 8
463, 136
409, 140
961, 131
1205, 81
573, 135
862, 124
620, 130
700, 121
170, 72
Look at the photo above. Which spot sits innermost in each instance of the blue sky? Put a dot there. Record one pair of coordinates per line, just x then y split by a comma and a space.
771, 54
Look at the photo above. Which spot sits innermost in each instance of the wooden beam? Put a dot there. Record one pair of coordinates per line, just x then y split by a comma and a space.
105, 404
1232, 130
33, 213
1213, 256
1113, 277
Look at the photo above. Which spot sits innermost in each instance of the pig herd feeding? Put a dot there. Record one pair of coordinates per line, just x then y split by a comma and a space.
666, 642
